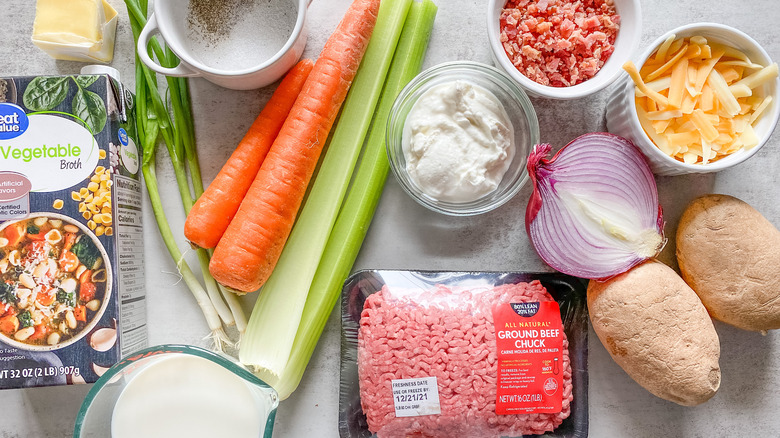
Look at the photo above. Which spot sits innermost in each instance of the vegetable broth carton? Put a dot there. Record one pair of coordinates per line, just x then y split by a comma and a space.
72, 298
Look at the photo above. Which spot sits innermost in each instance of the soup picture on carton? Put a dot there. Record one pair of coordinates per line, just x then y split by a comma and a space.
55, 281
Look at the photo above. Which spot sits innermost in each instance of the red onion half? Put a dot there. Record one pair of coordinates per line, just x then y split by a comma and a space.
594, 212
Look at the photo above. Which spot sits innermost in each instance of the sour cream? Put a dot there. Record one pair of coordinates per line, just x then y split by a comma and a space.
458, 142
188, 396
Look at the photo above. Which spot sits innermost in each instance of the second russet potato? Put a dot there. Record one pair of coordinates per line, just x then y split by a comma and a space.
730, 255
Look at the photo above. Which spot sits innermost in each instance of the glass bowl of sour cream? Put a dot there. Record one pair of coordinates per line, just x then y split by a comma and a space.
177, 390
458, 137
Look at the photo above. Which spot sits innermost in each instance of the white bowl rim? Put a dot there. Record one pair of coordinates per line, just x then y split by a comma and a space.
592, 85
732, 159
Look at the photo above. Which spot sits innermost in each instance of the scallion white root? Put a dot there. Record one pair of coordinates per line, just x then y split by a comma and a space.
171, 122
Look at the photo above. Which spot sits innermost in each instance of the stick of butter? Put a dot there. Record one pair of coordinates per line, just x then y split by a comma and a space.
75, 30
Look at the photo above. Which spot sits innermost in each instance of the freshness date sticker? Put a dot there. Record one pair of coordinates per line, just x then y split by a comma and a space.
416, 397
529, 340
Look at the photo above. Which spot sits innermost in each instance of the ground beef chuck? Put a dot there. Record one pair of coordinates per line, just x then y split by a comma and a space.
448, 334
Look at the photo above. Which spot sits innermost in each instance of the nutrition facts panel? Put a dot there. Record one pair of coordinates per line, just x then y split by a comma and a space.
130, 266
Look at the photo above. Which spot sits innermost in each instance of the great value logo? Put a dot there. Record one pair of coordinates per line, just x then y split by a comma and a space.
13, 121
128, 151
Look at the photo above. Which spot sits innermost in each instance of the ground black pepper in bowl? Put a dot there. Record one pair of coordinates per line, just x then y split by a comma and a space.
238, 34
215, 17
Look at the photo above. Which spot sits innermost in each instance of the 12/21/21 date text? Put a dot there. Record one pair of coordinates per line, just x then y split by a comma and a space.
402, 398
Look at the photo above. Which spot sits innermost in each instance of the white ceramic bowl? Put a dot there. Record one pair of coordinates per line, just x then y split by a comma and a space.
627, 39
621, 109
170, 20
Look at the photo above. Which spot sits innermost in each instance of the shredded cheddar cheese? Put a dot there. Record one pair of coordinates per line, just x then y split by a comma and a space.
699, 101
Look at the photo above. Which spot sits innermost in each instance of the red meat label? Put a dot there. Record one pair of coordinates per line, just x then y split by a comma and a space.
529, 340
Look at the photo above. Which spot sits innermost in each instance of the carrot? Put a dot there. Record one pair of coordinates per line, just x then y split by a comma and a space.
80, 312
251, 245
215, 208
15, 233
45, 297
70, 239
68, 261
85, 276
9, 324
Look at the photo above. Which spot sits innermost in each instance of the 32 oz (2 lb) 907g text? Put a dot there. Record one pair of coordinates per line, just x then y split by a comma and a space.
26, 373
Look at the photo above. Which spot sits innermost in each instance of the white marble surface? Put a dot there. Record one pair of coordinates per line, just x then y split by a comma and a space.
405, 235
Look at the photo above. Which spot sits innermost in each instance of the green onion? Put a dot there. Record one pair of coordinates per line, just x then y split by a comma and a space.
155, 122
352, 223
274, 320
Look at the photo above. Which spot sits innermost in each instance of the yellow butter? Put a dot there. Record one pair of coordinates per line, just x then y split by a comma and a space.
75, 30
69, 21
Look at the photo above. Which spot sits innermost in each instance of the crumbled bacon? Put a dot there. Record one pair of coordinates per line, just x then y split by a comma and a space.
559, 42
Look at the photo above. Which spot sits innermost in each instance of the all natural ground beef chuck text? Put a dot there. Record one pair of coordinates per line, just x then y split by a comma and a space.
447, 334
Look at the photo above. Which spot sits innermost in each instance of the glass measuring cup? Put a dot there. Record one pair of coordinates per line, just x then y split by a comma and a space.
95, 416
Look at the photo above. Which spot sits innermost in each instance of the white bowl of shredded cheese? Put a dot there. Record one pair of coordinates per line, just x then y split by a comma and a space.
626, 112
458, 138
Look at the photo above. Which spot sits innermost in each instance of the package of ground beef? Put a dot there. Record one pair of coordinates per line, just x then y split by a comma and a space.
448, 354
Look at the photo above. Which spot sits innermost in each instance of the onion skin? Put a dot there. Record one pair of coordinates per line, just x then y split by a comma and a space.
535, 163
594, 211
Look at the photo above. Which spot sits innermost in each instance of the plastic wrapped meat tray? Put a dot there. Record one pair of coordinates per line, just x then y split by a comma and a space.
394, 326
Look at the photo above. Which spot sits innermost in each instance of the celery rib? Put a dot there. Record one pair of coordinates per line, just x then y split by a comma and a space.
277, 313
355, 216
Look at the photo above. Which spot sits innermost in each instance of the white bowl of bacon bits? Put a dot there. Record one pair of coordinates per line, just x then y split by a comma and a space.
701, 98
562, 49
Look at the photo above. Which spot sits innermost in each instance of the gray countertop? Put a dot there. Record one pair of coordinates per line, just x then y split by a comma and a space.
404, 235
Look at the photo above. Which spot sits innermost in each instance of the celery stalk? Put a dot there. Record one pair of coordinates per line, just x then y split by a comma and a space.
274, 320
352, 224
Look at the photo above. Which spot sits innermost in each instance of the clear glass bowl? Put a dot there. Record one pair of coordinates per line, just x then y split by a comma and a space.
517, 106
94, 417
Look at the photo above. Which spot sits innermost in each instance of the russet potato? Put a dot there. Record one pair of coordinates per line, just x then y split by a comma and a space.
656, 328
730, 255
